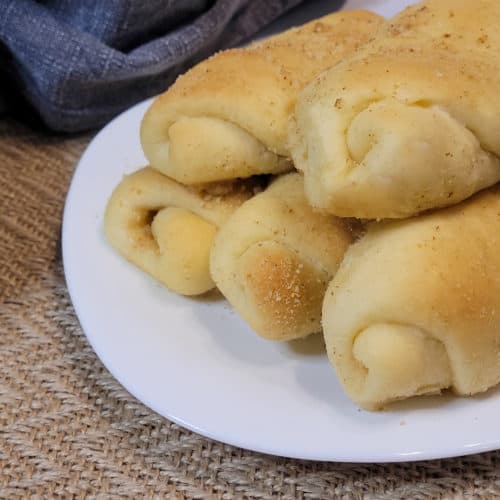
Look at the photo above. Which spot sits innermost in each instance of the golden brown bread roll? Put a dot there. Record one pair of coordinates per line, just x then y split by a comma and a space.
414, 307
274, 258
228, 116
167, 229
410, 122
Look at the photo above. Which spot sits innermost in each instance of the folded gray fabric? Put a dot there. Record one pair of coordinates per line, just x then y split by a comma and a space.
79, 63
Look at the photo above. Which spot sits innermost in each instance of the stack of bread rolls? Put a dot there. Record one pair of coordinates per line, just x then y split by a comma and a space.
214, 140
339, 177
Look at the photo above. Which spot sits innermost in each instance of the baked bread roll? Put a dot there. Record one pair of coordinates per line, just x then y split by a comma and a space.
228, 116
167, 229
274, 257
414, 307
411, 121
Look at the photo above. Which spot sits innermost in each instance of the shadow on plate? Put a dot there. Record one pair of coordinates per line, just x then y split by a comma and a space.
207, 298
490, 394
320, 381
313, 345
231, 334
422, 403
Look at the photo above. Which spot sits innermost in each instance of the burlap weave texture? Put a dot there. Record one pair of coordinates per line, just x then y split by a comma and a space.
67, 428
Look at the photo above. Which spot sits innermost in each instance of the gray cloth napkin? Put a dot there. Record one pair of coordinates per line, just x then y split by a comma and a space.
81, 62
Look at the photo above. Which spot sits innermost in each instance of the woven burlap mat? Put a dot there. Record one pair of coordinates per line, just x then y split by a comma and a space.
68, 428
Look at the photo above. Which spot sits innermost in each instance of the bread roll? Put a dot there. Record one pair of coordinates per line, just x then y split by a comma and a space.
415, 306
411, 121
274, 258
167, 229
228, 116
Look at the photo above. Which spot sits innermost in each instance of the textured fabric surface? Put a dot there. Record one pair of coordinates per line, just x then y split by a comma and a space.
68, 428
80, 63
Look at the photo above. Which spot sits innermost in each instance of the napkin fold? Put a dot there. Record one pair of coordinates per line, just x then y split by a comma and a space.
79, 63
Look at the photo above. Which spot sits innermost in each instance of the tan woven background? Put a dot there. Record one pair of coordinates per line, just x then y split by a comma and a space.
68, 428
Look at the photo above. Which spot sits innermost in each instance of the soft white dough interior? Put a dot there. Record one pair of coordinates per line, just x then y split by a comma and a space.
399, 361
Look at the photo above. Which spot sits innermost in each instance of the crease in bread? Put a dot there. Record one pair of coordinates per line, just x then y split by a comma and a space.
413, 308
167, 229
274, 258
229, 115
409, 122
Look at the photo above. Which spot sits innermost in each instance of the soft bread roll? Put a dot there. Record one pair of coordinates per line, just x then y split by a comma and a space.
415, 306
411, 121
228, 116
167, 229
274, 257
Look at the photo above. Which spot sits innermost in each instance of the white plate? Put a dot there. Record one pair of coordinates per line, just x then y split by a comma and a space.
195, 362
